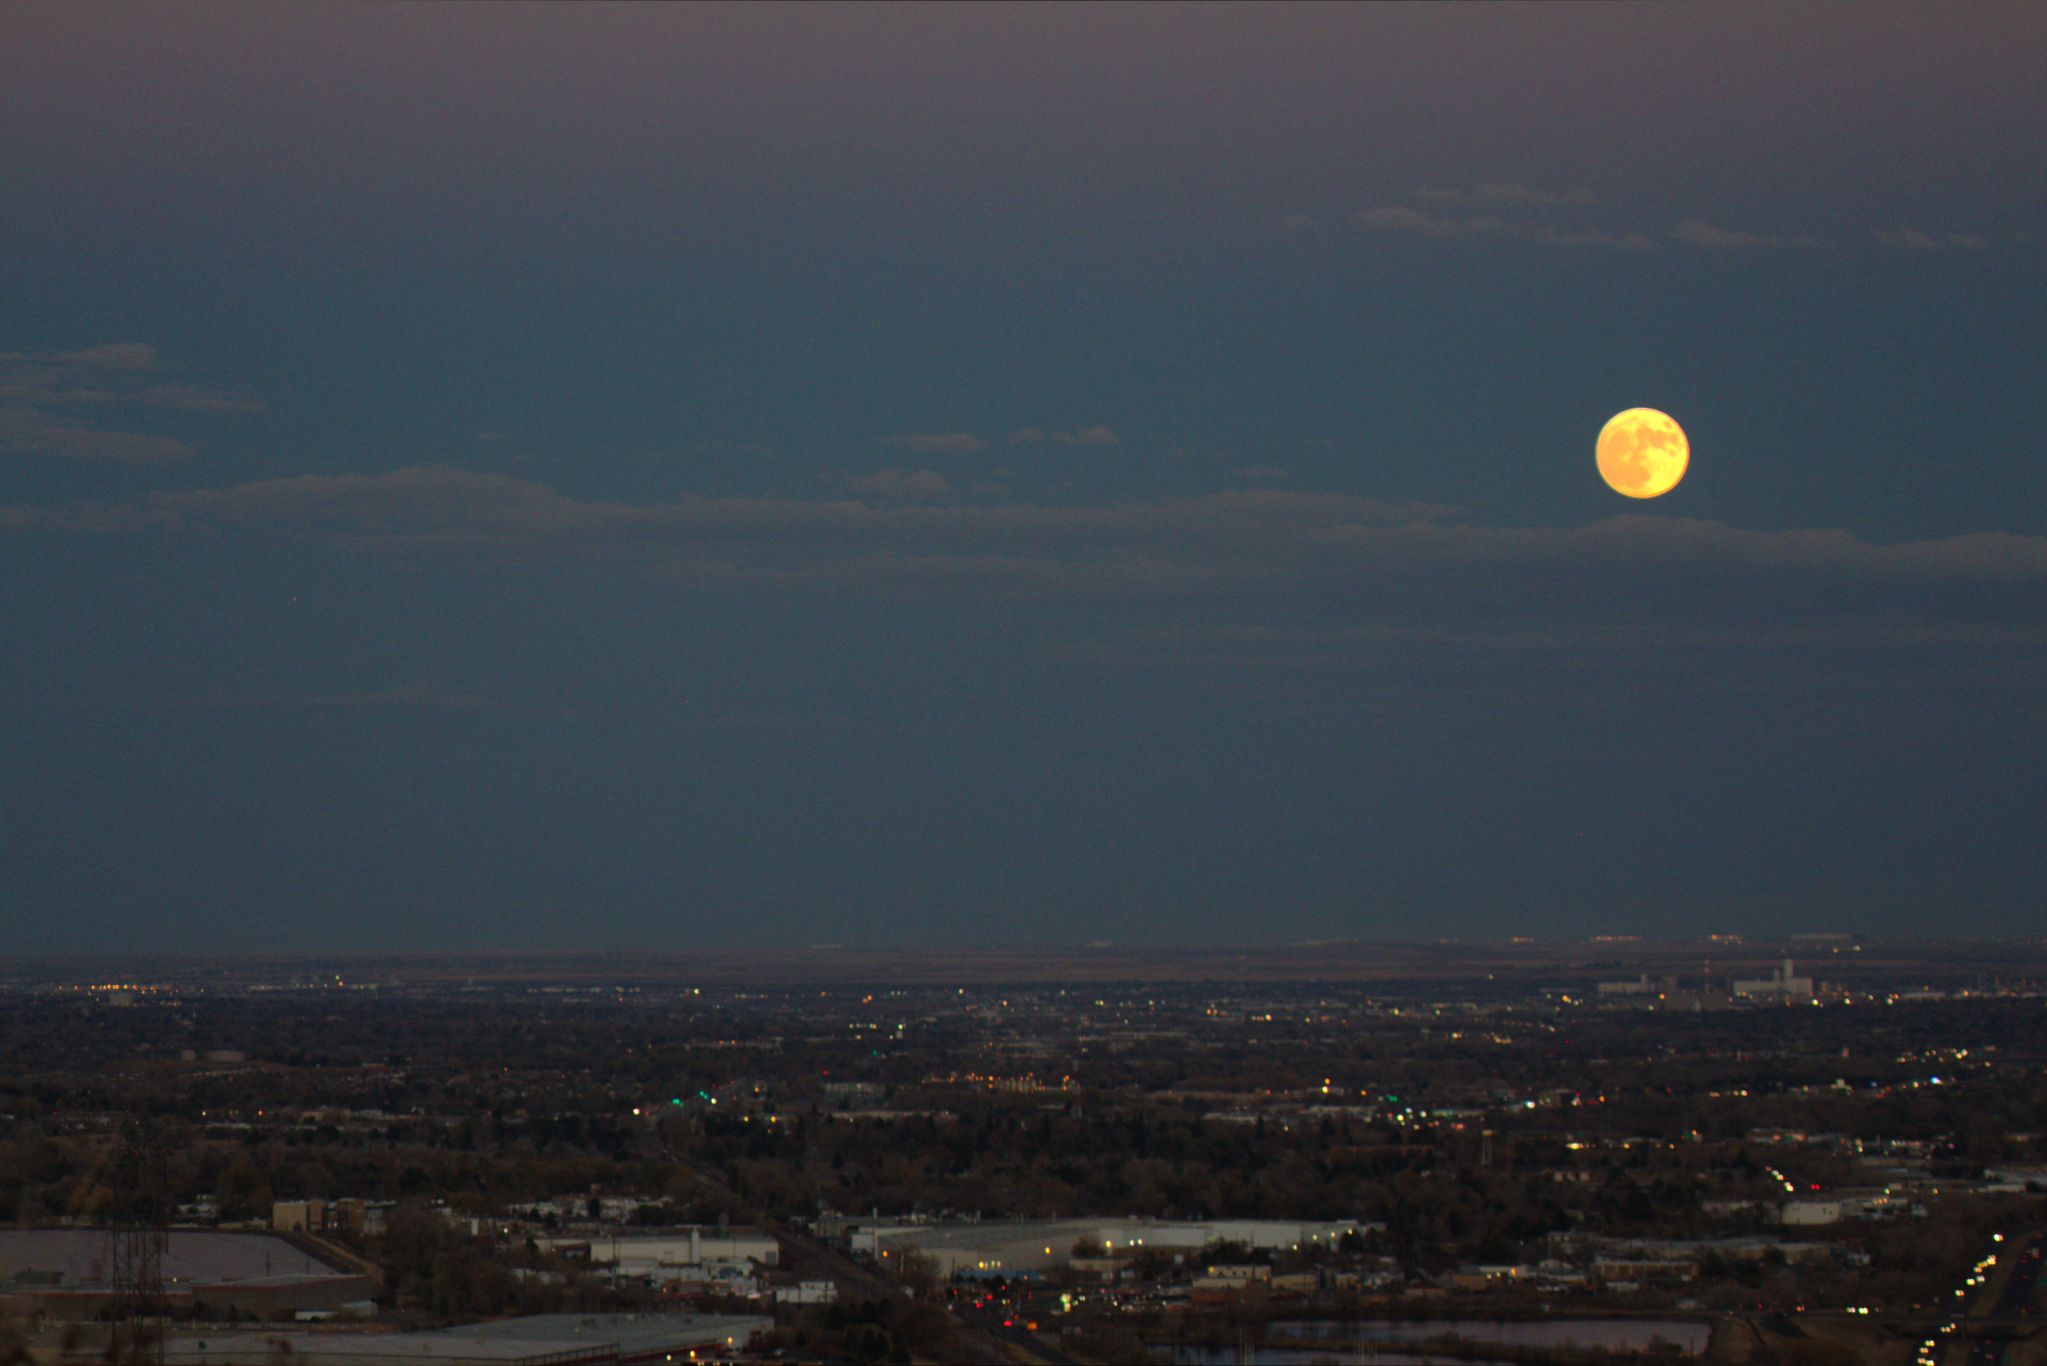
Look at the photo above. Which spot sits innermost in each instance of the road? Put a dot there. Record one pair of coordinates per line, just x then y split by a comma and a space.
2004, 1279
1003, 1326
806, 1255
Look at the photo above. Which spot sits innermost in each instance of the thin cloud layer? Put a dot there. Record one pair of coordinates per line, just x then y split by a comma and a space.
25, 431
1867, 652
418, 695
446, 507
192, 398
1914, 240
1423, 217
44, 397
113, 356
1504, 192
938, 443
1405, 218
1310, 547
1086, 436
1696, 232
906, 486
423, 694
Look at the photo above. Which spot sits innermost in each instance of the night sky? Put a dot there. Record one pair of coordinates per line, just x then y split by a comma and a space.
512, 477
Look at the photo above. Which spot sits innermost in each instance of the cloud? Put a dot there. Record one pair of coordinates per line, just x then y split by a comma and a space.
1403, 218
76, 518
44, 386
1094, 550
421, 695
1358, 584
1914, 240
1263, 474
1086, 436
787, 721
905, 486
1865, 650
28, 432
441, 497
938, 443
34, 386
1428, 223
1309, 546
1696, 232
1683, 543
427, 499
192, 398
112, 356
1568, 237
1408, 219
1504, 192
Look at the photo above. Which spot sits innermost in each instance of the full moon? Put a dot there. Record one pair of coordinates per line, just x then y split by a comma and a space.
1642, 453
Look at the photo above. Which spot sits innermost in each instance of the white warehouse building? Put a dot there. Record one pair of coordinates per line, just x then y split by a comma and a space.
642, 1254
1030, 1245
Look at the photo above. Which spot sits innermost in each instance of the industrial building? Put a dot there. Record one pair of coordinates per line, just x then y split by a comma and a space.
82, 1254
537, 1340
1640, 986
66, 1273
325, 1216
1782, 983
1035, 1245
646, 1253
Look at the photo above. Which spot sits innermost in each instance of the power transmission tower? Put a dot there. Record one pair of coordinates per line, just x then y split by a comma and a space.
138, 1226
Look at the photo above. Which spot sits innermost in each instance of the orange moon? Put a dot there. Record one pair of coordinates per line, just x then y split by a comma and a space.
1642, 453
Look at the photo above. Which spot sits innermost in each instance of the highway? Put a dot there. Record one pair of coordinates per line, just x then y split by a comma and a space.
2008, 1298
2003, 1279
1003, 1326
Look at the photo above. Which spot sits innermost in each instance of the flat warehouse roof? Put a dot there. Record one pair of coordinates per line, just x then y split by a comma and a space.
86, 1254
629, 1333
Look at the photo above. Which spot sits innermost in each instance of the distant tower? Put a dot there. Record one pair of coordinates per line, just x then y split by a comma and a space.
1485, 1148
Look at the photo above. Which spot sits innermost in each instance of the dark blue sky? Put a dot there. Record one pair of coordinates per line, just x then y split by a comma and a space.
517, 476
